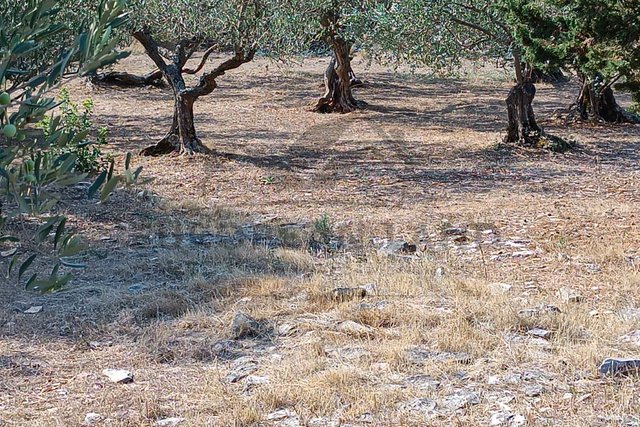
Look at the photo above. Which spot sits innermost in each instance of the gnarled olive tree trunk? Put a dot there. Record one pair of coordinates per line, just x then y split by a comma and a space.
522, 127
338, 80
596, 101
182, 137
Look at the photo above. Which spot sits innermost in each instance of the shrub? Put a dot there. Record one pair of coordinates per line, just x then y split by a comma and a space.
77, 119
34, 165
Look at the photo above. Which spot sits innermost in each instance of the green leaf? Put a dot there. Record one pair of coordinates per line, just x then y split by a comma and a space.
30, 282
12, 264
111, 167
70, 264
43, 231
71, 180
59, 231
108, 188
73, 247
97, 184
68, 164
25, 265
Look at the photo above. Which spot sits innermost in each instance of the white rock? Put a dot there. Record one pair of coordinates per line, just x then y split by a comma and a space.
569, 295
539, 333
281, 414
534, 390
91, 418
351, 327
284, 418
422, 382
632, 337
169, 422
252, 381
518, 421
516, 243
244, 326
499, 288
423, 405
323, 422
460, 399
523, 254
241, 369
286, 329
370, 288
501, 418
119, 376
493, 380
33, 310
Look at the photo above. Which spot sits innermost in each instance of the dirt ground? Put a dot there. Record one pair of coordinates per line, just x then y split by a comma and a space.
476, 327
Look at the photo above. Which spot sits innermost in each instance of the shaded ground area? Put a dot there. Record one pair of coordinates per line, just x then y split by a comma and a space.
295, 205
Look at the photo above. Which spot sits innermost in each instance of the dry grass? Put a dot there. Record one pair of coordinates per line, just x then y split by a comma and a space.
213, 237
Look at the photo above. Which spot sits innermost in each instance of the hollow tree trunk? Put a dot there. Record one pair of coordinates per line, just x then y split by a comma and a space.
522, 127
597, 102
338, 97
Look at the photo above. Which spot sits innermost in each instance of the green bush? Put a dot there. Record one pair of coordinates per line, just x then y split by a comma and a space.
77, 119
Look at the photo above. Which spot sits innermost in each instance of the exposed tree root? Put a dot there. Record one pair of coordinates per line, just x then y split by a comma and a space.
154, 78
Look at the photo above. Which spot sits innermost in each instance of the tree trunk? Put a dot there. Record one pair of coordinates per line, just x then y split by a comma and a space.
338, 97
182, 137
354, 81
522, 127
597, 102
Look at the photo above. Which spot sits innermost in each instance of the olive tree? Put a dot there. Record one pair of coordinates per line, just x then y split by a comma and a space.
441, 34
39, 49
172, 33
598, 39
343, 26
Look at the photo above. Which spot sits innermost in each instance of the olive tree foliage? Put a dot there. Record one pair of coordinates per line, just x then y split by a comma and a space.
39, 49
173, 32
597, 39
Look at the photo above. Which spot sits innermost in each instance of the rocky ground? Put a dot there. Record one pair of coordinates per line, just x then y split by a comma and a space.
396, 266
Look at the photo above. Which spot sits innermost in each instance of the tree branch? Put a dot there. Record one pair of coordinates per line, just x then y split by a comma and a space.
152, 48
203, 61
207, 83
478, 28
